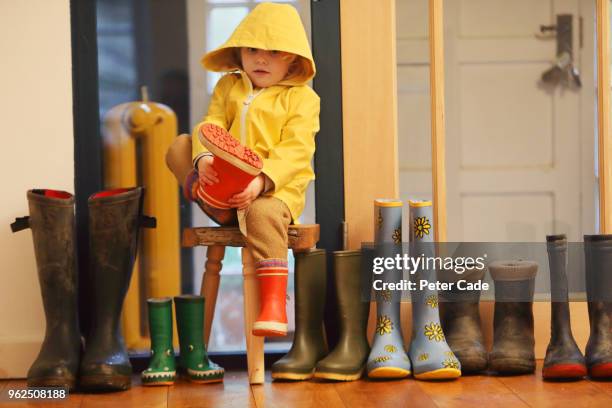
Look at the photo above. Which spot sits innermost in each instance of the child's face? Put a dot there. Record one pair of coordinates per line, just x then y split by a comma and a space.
265, 68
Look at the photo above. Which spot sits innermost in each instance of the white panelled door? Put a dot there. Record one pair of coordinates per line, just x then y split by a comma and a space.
519, 153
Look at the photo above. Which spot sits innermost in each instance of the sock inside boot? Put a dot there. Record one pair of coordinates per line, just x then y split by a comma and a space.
108, 193
191, 179
53, 193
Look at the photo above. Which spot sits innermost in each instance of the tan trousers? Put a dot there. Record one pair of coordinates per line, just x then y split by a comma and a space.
267, 218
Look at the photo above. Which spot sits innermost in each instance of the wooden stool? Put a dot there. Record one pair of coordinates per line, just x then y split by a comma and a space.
301, 239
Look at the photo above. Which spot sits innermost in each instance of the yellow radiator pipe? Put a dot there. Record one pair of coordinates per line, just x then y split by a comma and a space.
136, 137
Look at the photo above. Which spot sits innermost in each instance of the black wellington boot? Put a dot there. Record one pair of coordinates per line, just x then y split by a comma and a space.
563, 357
52, 223
308, 342
513, 338
460, 318
598, 260
115, 218
347, 360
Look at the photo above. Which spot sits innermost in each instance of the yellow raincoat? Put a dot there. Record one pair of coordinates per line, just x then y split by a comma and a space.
279, 122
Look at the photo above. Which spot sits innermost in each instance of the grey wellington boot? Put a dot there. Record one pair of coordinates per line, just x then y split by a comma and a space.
388, 358
308, 342
347, 360
460, 315
115, 218
598, 259
52, 223
432, 358
563, 357
513, 337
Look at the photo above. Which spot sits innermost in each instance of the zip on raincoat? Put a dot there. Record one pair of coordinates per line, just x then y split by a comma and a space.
245, 109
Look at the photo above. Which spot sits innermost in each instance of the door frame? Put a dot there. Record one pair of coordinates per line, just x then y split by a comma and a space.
329, 193
88, 176
603, 115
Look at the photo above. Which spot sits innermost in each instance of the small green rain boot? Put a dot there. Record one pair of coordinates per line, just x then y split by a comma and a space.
432, 358
162, 370
193, 360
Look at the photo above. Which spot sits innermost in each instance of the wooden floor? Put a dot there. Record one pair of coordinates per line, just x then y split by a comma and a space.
469, 391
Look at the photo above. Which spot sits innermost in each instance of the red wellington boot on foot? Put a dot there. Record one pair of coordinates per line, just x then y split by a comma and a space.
236, 165
272, 277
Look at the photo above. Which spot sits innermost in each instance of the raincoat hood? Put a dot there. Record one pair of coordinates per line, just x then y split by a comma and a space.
269, 27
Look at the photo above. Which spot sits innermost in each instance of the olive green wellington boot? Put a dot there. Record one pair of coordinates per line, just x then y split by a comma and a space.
115, 218
52, 223
161, 370
308, 342
193, 360
513, 331
347, 361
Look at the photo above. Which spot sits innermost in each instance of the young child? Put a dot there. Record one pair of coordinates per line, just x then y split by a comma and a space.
264, 104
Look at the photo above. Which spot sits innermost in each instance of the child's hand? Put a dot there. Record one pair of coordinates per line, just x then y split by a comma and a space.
206, 173
250, 193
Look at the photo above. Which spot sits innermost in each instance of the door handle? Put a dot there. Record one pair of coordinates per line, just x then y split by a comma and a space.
563, 69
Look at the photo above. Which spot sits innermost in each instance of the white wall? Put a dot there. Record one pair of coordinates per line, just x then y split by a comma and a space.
37, 151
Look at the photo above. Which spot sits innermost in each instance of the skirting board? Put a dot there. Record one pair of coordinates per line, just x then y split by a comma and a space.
17, 355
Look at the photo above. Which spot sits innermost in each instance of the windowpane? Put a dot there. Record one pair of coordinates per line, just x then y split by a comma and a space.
116, 54
222, 21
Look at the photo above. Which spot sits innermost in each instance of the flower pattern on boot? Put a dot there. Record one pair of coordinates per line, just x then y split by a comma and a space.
388, 358
431, 356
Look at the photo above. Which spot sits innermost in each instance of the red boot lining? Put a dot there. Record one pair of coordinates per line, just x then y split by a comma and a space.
54, 193
109, 193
